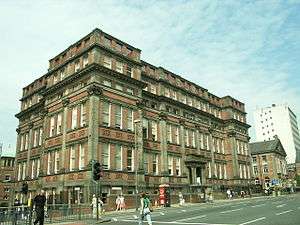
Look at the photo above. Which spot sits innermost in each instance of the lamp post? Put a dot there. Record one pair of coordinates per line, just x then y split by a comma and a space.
136, 122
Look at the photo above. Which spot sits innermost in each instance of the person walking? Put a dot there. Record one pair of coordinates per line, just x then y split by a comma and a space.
118, 203
16, 211
229, 194
39, 204
145, 209
122, 202
181, 200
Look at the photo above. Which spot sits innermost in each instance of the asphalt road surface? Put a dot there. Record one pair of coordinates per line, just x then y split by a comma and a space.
281, 210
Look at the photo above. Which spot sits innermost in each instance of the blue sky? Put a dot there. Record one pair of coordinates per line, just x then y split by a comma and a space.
247, 49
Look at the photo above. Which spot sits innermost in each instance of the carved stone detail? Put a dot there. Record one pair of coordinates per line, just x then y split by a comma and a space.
94, 90
65, 102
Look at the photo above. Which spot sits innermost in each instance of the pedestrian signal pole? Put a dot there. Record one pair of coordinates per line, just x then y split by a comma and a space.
97, 173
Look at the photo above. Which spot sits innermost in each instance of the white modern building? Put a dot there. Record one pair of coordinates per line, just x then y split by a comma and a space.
281, 121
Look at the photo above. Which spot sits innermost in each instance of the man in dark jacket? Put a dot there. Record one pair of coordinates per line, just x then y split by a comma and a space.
39, 204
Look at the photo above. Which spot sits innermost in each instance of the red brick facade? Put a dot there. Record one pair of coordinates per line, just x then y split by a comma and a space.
99, 101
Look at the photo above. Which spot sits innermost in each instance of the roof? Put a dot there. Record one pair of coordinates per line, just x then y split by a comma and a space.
273, 146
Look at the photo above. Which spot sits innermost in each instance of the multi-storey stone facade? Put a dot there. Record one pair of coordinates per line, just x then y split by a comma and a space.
269, 162
100, 101
7, 164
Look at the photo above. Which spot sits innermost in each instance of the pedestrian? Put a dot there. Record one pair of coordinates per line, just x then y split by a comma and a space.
39, 204
94, 205
229, 194
145, 210
180, 195
122, 202
16, 211
242, 194
118, 203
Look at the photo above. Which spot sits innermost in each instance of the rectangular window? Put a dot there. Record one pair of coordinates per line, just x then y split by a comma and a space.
40, 136
130, 159
105, 156
118, 157
81, 156
85, 60
118, 116
178, 167
36, 138
170, 165
72, 158
38, 167
177, 135
209, 170
186, 137
155, 164
52, 126
225, 171
107, 62
19, 171
145, 128
106, 114
220, 171
32, 169
146, 163
24, 171
49, 163
193, 139
56, 165
21, 142
130, 119
153, 88
169, 133
62, 73
266, 169
119, 67
82, 114
129, 71
154, 130
26, 141
74, 117
58, 125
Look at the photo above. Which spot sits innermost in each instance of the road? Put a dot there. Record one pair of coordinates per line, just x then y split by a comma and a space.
281, 210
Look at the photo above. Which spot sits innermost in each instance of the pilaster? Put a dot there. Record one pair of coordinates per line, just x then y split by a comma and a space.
164, 148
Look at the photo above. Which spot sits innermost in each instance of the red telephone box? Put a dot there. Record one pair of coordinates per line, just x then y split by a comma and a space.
164, 195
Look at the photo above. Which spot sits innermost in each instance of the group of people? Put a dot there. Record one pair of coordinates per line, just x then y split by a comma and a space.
37, 206
120, 203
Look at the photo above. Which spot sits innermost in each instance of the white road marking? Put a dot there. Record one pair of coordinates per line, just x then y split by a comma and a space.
277, 214
280, 206
183, 210
114, 219
161, 213
183, 223
190, 218
258, 205
135, 216
233, 210
252, 221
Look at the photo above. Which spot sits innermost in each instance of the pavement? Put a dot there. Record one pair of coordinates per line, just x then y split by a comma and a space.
280, 210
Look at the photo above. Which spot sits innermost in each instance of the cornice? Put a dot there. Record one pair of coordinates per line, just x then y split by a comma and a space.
245, 125
30, 109
32, 93
95, 89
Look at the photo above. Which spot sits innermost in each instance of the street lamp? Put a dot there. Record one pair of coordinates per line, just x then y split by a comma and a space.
136, 122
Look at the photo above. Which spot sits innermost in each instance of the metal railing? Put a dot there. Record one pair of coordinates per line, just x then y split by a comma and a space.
23, 215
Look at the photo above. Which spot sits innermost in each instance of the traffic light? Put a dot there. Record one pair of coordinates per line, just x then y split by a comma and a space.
97, 171
24, 189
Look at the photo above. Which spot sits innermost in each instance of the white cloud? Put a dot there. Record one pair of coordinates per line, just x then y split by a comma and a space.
228, 47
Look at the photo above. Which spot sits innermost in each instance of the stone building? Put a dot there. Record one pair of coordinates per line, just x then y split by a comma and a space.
100, 101
6, 179
269, 162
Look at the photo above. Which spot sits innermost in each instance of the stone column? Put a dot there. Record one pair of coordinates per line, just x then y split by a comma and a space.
185, 170
93, 125
30, 144
235, 166
65, 103
211, 147
164, 148
197, 136
139, 147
